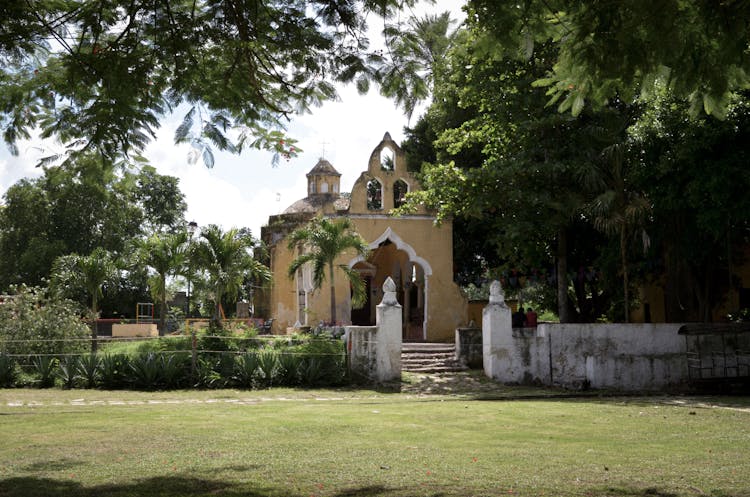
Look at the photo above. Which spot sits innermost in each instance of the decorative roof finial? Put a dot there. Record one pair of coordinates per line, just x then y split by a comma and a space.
497, 296
389, 292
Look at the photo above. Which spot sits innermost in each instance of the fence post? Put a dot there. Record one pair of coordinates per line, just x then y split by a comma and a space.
389, 335
496, 330
194, 347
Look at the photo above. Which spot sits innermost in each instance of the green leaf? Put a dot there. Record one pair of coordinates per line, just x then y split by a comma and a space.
208, 158
578, 103
182, 133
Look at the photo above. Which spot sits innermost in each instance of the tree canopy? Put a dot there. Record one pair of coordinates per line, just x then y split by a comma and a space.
225, 257
605, 50
100, 74
580, 201
78, 209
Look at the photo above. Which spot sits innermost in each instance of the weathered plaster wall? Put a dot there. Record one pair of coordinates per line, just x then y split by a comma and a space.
619, 356
627, 356
375, 351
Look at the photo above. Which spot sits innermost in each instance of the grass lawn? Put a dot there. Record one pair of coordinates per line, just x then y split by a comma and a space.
351, 443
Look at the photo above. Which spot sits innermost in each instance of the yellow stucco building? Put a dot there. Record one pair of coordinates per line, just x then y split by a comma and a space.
411, 249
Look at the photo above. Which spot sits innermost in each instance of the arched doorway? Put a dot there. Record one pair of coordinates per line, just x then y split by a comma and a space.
391, 257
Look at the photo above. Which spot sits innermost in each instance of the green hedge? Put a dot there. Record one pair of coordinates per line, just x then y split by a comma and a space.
301, 362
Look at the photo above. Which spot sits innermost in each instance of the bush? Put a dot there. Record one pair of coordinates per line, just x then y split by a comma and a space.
45, 368
67, 371
206, 375
114, 370
174, 370
8, 371
267, 365
145, 371
88, 370
245, 370
323, 362
218, 340
33, 322
289, 363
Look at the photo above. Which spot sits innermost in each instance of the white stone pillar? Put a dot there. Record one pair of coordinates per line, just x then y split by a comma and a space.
497, 331
389, 321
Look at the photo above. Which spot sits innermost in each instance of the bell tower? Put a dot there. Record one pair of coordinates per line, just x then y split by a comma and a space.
323, 179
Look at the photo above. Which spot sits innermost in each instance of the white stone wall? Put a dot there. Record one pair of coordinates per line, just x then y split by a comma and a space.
622, 356
375, 351
616, 356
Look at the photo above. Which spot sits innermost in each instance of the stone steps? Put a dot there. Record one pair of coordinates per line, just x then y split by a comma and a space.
430, 358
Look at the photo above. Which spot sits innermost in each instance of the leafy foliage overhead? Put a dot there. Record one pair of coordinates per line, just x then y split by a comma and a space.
699, 48
99, 74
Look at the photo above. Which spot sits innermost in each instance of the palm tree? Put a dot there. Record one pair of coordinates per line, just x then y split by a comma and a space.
90, 273
617, 210
166, 254
323, 240
416, 53
226, 257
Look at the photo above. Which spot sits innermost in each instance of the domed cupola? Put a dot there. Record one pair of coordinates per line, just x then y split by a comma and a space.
323, 179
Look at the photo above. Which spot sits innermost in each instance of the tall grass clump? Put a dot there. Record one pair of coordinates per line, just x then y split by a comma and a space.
114, 371
45, 369
246, 369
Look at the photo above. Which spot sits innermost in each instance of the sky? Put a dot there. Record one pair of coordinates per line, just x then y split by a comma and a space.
244, 190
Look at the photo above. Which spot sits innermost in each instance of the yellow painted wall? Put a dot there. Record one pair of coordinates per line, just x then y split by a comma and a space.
416, 236
135, 330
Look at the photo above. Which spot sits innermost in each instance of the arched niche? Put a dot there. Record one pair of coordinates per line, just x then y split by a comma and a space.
374, 195
387, 159
400, 189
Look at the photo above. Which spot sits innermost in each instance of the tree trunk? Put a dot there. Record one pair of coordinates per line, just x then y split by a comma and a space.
163, 307
562, 276
217, 308
333, 294
94, 335
624, 261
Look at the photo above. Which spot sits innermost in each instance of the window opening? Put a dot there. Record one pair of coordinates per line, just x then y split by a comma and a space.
387, 161
400, 188
374, 195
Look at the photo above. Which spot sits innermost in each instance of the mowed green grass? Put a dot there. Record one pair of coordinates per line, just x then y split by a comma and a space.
356, 443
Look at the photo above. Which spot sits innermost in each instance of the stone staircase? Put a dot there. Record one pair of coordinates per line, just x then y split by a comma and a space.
430, 358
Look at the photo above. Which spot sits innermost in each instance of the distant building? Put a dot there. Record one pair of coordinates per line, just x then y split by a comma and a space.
411, 249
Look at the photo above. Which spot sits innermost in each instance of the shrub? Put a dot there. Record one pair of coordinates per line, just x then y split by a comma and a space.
288, 368
267, 364
88, 370
33, 322
173, 369
45, 368
324, 362
206, 375
146, 371
67, 371
113, 370
312, 371
218, 340
8, 371
245, 370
